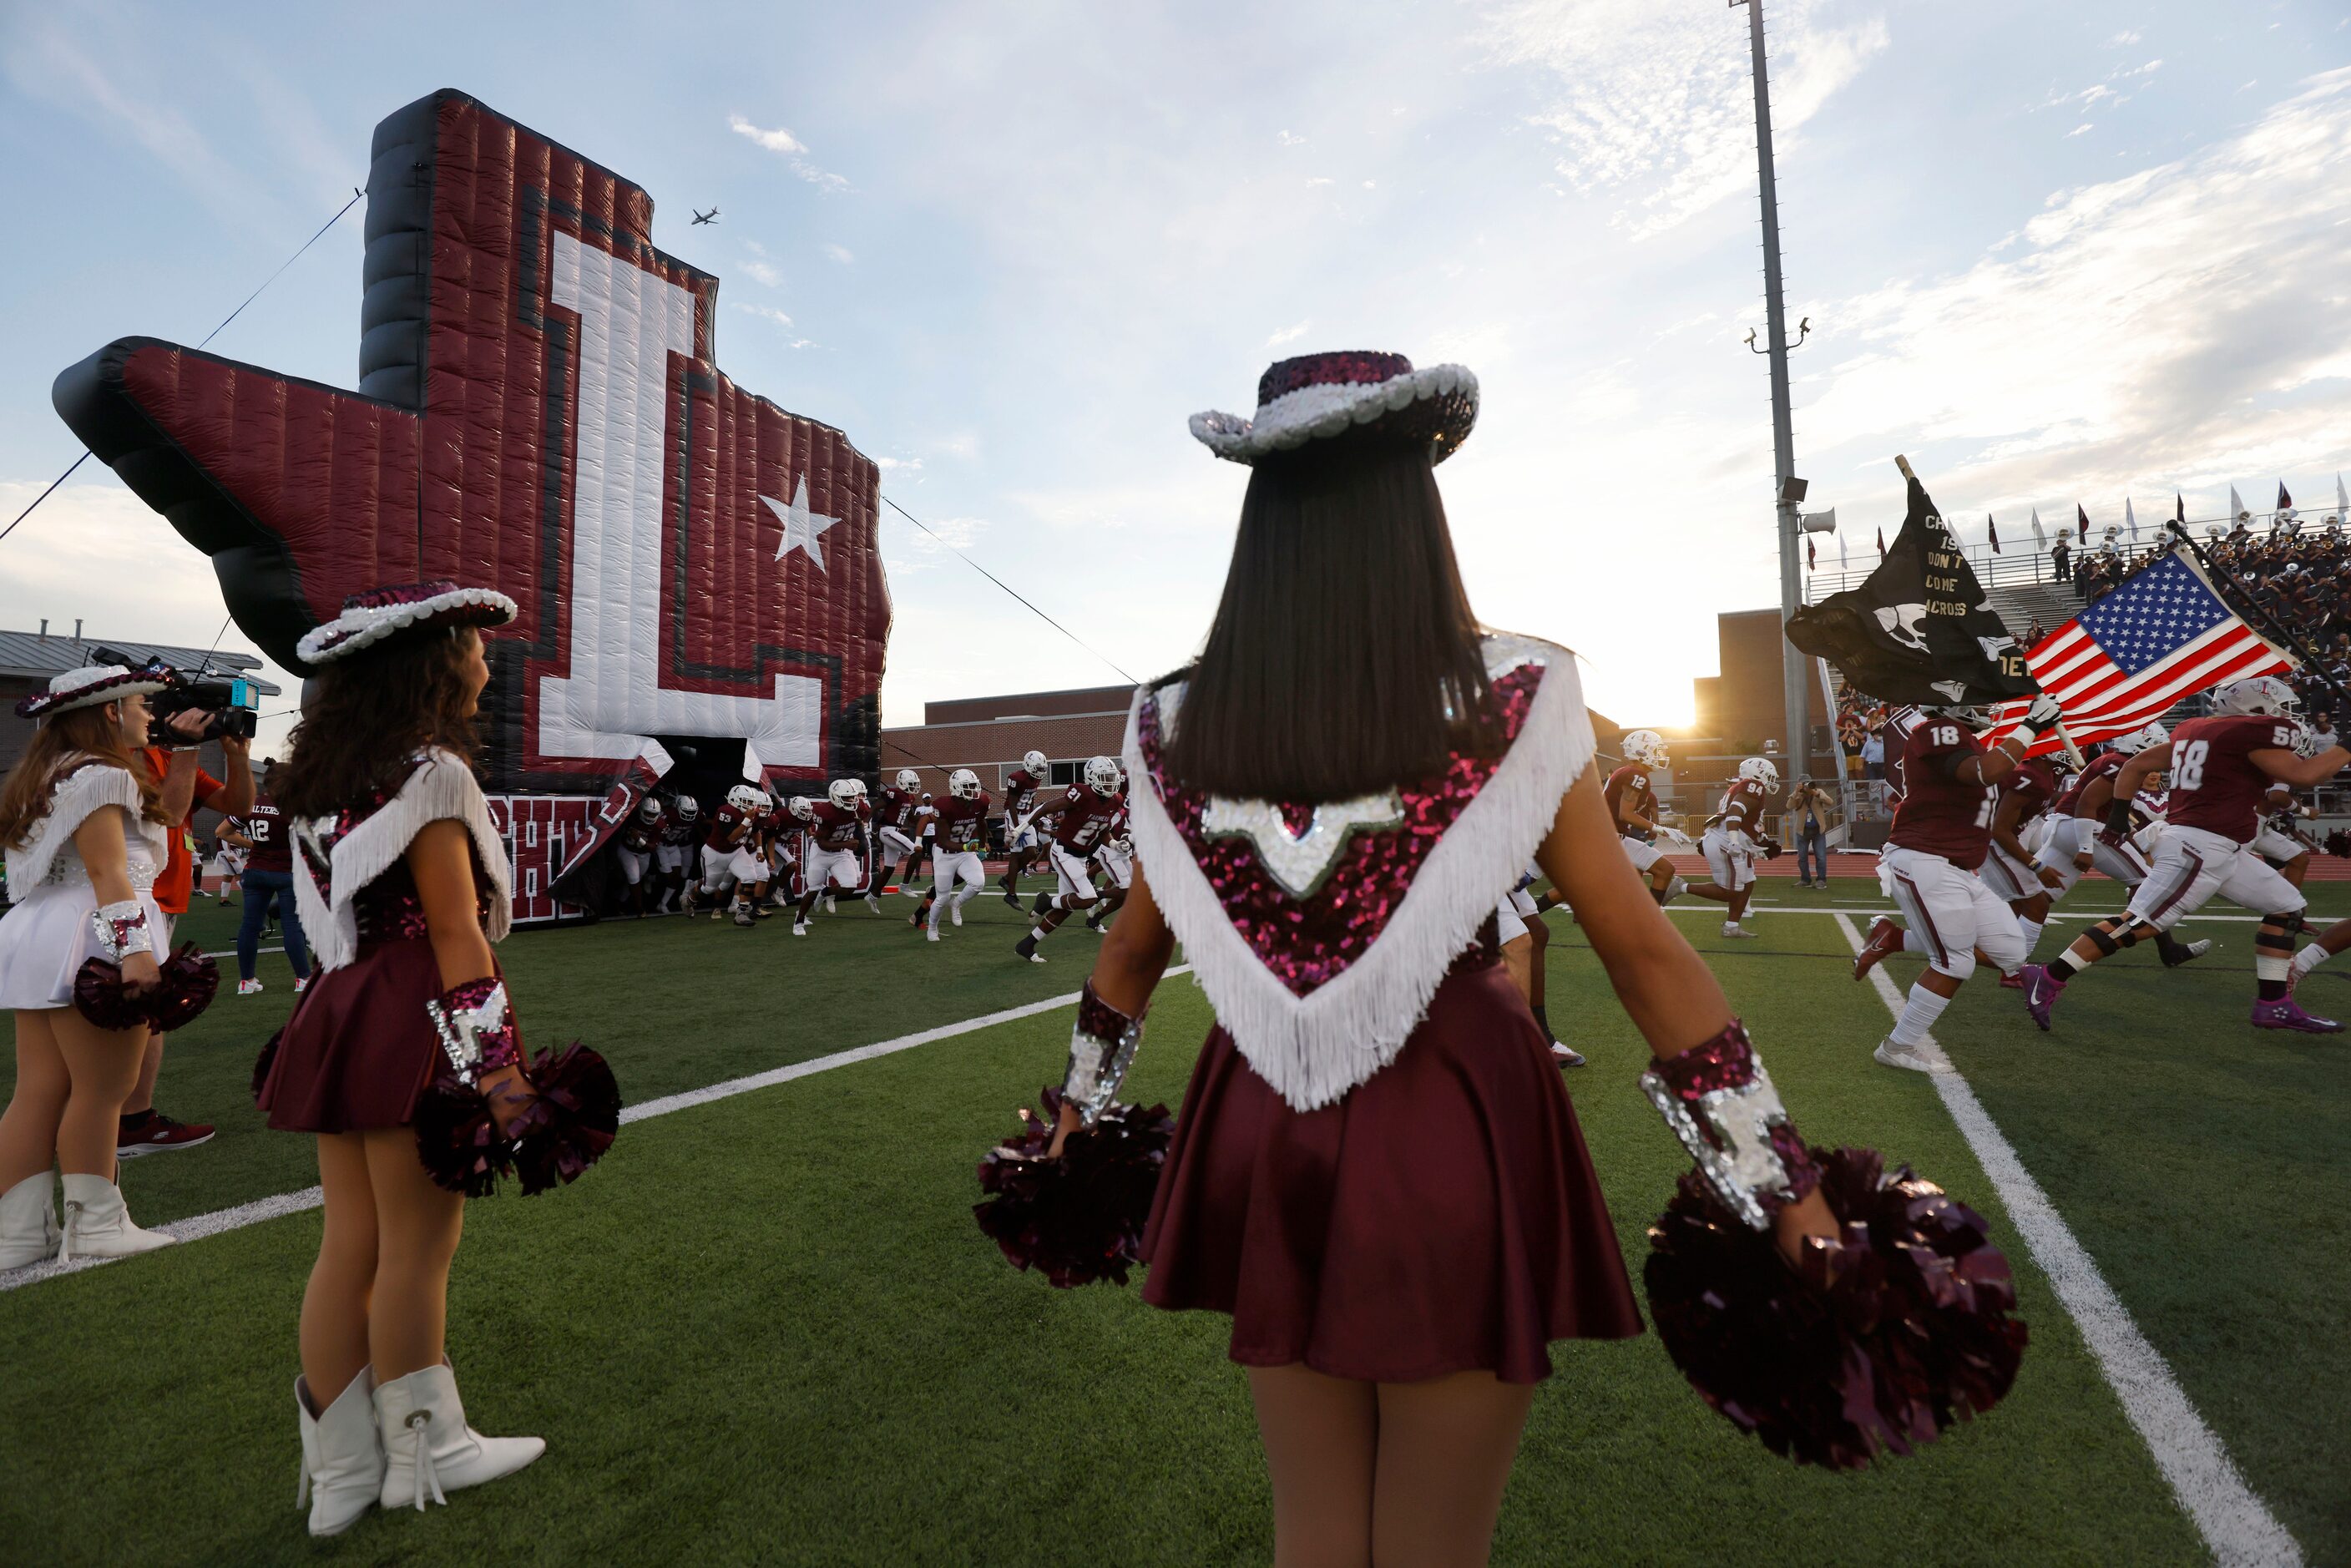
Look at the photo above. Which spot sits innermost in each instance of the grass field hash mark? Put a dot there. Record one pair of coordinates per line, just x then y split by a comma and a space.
222, 1221
2234, 1522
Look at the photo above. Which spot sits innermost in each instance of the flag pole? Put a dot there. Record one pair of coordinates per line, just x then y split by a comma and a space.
2273, 629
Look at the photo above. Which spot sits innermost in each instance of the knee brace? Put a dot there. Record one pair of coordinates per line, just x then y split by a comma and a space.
2102, 937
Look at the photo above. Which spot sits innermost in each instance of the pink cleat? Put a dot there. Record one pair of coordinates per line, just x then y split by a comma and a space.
2286, 1013
2041, 992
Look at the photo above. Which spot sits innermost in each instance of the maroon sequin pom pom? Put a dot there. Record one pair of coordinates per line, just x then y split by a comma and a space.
1078, 1219
190, 981
457, 1139
572, 1122
99, 997
1915, 1331
264, 1063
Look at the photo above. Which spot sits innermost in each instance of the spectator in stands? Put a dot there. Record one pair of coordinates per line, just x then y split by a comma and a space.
1872, 755
1808, 814
2033, 633
2061, 561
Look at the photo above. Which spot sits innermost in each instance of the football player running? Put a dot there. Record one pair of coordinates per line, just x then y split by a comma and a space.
1116, 858
2074, 843
681, 830
1942, 833
636, 844
1021, 841
839, 829
2018, 821
896, 836
1631, 803
2221, 769
958, 835
730, 863
1734, 835
1081, 818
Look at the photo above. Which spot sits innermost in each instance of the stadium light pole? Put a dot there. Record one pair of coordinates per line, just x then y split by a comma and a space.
1786, 488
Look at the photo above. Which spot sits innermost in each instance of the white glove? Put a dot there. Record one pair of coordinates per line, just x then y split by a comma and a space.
2038, 717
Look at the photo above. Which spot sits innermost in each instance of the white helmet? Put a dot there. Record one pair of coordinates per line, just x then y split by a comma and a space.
845, 793
1647, 747
688, 808
2264, 695
649, 810
800, 806
1102, 776
745, 797
908, 780
1035, 763
2141, 738
964, 784
1761, 770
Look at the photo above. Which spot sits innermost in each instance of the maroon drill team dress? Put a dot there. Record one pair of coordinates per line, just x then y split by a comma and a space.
1376, 1170
359, 1049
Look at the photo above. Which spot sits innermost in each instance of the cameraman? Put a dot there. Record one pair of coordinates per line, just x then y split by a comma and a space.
187, 789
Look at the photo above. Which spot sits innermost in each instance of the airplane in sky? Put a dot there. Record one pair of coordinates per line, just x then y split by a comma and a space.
703, 217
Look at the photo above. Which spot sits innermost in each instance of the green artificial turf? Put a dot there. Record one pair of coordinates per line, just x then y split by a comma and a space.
766, 1330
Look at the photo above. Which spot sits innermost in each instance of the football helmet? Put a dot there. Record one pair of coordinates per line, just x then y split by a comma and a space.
688, 808
844, 793
2139, 739
1761, 770
649, 810
745, 797
2262, 694
800, 808
1102, 776
908, 781
1035, 763
1646, 747
964, 784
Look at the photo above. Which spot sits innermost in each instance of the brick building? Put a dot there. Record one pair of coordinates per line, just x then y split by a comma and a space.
989, 735
28, 660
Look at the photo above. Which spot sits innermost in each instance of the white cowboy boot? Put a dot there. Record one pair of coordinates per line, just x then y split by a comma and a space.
342, 1460
428, 1450
28, 1226
97, 1226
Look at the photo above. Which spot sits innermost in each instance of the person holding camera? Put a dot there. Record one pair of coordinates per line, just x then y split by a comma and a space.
268, 884
85, 832
186, 788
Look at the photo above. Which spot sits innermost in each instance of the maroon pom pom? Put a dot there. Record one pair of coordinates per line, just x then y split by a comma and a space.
190, 979
457, 1138
572, 1122
1078, 1219
1914, 1332
264, 1063
2339, 844
99, 997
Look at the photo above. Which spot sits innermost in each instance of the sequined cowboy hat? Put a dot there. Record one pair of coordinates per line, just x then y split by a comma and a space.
1318, 395
400, 609
88, 686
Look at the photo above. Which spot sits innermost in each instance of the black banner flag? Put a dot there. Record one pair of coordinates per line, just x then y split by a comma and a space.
1918, 630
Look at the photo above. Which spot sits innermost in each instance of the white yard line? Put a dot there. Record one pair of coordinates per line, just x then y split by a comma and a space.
2236, 1523
220, 1221
2200, 917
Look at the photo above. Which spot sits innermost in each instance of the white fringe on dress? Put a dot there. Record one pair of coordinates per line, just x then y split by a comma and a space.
72, 803
1313, 1049
441, 787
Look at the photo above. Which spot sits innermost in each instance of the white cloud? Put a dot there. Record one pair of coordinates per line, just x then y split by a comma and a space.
964, 444
1659, 100
840, 252
766, 312
2130, 36
898, 464
1319, 180
2082, 129
765, 272
782, 141
1288, 335
1290, 140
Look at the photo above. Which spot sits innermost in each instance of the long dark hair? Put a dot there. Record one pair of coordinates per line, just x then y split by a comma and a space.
1343, 658
368, 715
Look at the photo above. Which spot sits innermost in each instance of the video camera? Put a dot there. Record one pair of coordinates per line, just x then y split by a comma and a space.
233, 705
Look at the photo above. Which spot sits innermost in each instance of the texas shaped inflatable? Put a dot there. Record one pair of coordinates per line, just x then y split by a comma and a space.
539, 411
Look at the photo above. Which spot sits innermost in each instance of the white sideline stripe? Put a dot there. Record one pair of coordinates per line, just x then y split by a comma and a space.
220, 1221
2055, 914
2236, 1523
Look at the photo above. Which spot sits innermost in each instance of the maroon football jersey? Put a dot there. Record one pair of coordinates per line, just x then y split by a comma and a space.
639, 836
963, 824
727, 828
1629, 785
898, 809
1020, 789
2105, 765
272, 851
836, 829
676, 831
2214, 784
1742, 808
1081, 818
2035, 784
1941, 813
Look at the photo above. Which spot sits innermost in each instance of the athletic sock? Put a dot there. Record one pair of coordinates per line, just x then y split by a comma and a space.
2310, 957
2065, 966
1039, 932
2270, 990
2173, 950
1543, 1021
1918, 1014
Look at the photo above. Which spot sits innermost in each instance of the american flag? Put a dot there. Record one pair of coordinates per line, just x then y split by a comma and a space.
2163, 635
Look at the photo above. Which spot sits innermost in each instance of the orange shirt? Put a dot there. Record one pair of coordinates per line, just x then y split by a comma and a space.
177, 880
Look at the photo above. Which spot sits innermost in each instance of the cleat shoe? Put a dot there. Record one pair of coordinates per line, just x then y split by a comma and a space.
2286, 1013
1885, 940
915, 920
1675, 888
2042, 990
744, 918
718, 915
1013, 899
158, 1134
800, 927
934, 936
1732, 929
1913, 1057
1564, 1056
955, 911
1027, 948
248, 988
2012, 982
828, 909
874, 902
2190, 951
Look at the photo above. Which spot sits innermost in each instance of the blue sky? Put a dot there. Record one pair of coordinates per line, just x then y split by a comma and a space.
2055, 252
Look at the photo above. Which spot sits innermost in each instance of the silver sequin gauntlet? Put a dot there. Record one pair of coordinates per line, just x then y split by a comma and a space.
122, 929
1719, 1102
476, 1032
1101, 1048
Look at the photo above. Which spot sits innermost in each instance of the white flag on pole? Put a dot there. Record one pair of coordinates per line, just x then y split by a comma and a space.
2237, 513
2039, 534
2131, 517
2342, 502
1843, 564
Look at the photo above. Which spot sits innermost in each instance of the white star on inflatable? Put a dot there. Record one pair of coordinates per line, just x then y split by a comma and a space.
802, 528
